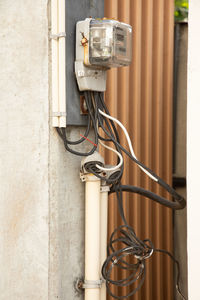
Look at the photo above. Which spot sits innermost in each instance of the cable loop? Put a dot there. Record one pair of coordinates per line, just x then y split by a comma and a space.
125, 250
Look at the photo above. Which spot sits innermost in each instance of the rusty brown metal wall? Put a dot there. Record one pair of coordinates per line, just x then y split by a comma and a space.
140, 96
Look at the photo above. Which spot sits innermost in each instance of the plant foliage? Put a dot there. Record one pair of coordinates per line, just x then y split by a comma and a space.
181, 10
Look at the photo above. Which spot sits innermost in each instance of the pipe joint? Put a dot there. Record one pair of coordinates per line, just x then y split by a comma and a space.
88, 166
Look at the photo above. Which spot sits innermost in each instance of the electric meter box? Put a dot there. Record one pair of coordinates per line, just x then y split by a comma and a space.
110, 43
100, 45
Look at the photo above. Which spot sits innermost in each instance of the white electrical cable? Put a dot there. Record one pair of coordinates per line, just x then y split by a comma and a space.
129, 142
115, 167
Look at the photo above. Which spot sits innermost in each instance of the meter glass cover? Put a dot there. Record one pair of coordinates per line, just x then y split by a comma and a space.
110, 43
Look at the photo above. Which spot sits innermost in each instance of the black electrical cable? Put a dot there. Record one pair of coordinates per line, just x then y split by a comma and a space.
112, 129
131, 245
104, 139
118, 188
169, 189
115, 178
116, 258
148, 194
141, 250
178, 270
80, 140
107, 111
93, 119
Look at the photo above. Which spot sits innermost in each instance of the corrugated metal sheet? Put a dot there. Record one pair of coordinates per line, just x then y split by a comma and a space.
141, 98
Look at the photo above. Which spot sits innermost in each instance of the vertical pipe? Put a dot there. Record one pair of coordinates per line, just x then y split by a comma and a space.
103, 234
62, 75
92, 235
54, 58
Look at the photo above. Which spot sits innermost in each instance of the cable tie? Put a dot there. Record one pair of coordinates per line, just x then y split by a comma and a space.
57, 35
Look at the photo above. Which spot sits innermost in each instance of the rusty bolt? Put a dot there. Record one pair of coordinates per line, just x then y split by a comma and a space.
84, 41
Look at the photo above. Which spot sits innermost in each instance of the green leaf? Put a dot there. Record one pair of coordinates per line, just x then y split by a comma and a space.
181, 10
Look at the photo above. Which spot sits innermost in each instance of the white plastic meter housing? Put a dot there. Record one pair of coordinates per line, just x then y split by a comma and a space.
100, 45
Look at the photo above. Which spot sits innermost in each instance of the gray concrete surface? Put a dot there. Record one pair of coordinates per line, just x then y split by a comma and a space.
66, 220
41, 196
24, 150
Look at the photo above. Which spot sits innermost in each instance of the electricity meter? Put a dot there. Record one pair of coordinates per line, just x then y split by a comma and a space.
100, 44
110, 43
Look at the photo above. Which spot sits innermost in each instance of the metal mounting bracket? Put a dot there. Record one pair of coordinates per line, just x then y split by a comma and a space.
88, 284
57, 35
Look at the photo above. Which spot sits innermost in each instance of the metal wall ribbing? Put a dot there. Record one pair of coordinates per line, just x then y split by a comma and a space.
140, 96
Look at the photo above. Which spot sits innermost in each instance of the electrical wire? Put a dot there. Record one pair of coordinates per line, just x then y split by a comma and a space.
115, 167
148, 194
80, 140
168, 188
179, 204
92, 118
114, 178
133, 247
128, 140
123, 242
178, 270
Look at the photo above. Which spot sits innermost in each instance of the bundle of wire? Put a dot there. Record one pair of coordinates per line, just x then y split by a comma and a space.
123, 242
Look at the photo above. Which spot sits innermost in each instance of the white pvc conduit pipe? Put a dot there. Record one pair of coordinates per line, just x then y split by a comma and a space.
92, 236
58, 63
103, 234
54, 58
62, 65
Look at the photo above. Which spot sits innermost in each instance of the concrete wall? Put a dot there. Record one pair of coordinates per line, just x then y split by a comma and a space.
66, 220
24, 150
41, 197
193, 149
